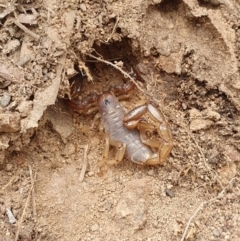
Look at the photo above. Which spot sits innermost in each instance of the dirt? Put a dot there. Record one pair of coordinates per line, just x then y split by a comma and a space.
186, 53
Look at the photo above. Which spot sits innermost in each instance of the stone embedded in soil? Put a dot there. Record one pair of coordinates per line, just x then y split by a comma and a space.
83, 7
194, 113
232, 153
202, 120
11, 73
216, 232
11, 46
94, 227
4, 144
10, 122
131, 209
200, 124
24, 107
9, 167
169, 193
11, 218
27, 19
227, 172
212, 115
5, 100
61, 122
68, 150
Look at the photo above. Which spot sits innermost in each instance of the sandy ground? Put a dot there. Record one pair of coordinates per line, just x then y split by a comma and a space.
186, 53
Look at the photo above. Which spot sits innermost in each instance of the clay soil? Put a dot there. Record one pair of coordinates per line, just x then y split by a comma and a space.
186, 53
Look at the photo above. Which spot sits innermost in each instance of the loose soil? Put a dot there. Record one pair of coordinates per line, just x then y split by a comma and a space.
186, 53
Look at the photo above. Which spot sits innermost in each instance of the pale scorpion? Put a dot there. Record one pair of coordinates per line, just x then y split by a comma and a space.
127, 131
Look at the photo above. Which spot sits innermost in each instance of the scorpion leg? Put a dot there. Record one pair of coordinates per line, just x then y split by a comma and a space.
133, 119
121, 148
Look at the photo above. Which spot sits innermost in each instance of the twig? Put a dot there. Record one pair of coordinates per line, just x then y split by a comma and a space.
33, 195
24, 210
84, 166
3, 188
118, 68
26, 30
114, 28
201, 206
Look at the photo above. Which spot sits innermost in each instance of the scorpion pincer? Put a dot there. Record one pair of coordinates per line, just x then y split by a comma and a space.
127, 132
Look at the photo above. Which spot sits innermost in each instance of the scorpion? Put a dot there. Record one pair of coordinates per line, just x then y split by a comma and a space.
127, 131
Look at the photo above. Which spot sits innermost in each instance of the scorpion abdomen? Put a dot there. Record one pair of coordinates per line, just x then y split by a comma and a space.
112, 114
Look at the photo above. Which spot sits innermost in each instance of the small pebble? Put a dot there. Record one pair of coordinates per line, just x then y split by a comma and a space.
11, 218
95, 227
170, 193
107, 205
9, 167
150, 172
11, 46
216, 232
83, 7
90, 174
5, 100
184, 106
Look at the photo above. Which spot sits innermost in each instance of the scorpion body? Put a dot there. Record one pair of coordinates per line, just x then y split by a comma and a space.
112, 114
127, 131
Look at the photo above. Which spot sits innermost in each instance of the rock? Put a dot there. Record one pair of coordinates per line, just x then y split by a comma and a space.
82, 6
90, 174
212, 115
131, 209
95, 227
24, 107
11, 46
61, 122
27, 19
9, 167
200, 124
202, 120
68, 150
108, 205
150, 172
169, 193
216, 232
194, 113
71, 72
11, 218
11, 73
5, 100
227, 172
4, 144
10, 122
232, 153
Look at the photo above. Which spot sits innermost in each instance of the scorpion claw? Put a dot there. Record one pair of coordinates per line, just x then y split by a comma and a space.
159, 125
